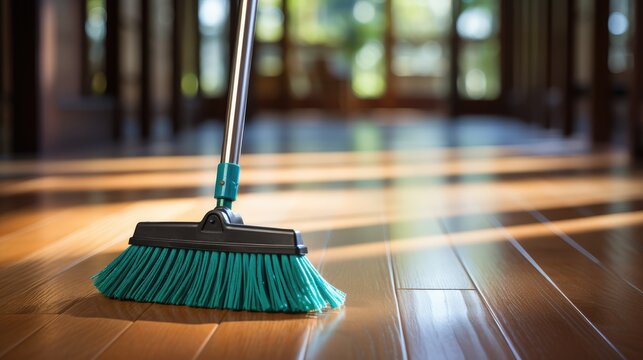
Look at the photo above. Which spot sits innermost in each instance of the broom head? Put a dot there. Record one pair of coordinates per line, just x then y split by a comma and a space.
218, 263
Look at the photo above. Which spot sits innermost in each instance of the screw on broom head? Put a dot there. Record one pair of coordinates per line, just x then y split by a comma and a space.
218, 263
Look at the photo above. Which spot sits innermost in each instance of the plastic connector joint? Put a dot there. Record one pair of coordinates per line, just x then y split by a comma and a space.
227, 185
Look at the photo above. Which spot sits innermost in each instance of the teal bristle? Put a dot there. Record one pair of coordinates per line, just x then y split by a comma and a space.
236, 281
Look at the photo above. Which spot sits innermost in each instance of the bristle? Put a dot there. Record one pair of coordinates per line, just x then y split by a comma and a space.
237, 281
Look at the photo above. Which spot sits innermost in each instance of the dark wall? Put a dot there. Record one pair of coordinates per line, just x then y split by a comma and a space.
25, 76
70, 118
48, 111
4, 86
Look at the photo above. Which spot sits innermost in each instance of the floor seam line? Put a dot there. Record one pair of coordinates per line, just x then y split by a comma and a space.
488, 307
542, 272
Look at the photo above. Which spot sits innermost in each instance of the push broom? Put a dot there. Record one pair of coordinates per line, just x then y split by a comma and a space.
220, 262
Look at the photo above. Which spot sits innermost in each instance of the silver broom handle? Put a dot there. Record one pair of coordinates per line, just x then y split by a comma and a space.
239, 79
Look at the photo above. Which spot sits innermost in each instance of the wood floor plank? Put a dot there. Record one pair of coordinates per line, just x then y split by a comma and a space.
423, 258
51, 260
166, 332
449, 324
301, 175
15, 328
245, 335
74, 284
81, 332
189, 162
537, 320
614, 243
609, 303
64, 289
17, 220
618, 248
46, 231
368, 326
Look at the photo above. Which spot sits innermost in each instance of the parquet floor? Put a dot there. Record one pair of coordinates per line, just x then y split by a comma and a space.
499, 242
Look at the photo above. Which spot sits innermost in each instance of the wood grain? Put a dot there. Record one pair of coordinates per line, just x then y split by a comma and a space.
423, 258
536, 318
165, 332
18, 220
609, 303
15, 328
449, 324
244, 335
618, 248
64, 289
81, 332
369, 325
74, 284
17, 245
90, 239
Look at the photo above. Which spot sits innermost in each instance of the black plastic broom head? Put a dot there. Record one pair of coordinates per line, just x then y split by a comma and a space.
220, 230
218, 263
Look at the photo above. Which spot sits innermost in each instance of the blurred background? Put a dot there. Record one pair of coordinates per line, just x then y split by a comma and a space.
84, 74
468, 171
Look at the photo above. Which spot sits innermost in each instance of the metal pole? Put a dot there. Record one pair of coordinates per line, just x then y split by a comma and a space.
239, 79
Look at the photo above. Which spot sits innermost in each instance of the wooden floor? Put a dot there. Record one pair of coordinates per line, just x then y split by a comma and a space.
480, 239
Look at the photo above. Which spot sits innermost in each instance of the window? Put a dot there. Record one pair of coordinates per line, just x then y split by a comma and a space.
213, 20
479, 59
340, 47
95, 32
320, 53
368, 59
619, 28
420, 59
269, 33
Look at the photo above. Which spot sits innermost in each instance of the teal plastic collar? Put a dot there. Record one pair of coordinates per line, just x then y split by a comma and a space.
227, 186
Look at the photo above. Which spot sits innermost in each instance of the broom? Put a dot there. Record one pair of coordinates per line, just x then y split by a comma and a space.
220, 262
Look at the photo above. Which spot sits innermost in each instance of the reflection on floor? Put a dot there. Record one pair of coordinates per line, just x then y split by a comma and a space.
470, 239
